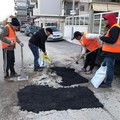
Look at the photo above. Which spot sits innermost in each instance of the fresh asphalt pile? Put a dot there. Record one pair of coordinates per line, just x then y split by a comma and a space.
38, 98
43, 98
69, 76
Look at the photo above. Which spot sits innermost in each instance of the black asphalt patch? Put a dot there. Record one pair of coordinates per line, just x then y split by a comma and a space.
69, 76
43, 98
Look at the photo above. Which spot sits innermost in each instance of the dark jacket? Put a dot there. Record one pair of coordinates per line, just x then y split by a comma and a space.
113, 35
39, 39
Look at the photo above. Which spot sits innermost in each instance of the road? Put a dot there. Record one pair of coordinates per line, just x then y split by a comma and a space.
61, 53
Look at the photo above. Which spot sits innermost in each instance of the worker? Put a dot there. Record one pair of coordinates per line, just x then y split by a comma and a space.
8, 34
110, 47
90, 44
36, 42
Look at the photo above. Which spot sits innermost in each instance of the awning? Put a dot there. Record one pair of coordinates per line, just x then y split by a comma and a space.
105, 7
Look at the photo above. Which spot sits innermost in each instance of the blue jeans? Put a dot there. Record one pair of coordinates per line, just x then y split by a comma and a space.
35, 51
109, 62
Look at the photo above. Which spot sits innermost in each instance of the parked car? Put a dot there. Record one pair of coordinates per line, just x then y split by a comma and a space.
30, 30
57, 34
22, 28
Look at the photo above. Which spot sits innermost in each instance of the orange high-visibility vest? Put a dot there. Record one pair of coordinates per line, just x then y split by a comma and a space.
113, 48
11, 37
91, 45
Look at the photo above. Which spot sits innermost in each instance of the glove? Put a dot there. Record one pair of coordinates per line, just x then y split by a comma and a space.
45, 57
21, 44
82, 56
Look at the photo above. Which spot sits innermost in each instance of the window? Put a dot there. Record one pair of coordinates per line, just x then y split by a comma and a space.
82, 8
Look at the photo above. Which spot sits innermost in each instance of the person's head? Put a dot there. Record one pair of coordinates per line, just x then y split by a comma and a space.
77, 35
49, 31
110, 19
15, 23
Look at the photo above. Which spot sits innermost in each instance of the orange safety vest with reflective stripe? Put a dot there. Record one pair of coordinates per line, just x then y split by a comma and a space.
11, 37
91, 45
113, 48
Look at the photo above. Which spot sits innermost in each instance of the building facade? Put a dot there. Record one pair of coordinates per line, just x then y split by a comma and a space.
21, 10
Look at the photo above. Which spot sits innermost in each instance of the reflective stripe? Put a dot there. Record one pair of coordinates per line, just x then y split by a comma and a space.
11, 38
117, 45
93, 44
88, 43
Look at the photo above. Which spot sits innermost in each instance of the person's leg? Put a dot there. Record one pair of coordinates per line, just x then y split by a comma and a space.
87, 60
93, 56
5, 63
12, 62
35, 52
109, 62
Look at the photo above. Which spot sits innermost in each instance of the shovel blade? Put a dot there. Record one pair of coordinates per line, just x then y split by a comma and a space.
23, 76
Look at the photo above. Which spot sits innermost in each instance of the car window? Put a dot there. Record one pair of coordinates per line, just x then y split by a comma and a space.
54, 29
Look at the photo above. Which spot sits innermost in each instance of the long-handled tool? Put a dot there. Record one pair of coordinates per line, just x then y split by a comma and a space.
5, 61
80, 57
22, 76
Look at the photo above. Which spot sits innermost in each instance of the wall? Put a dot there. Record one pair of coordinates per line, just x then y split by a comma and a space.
50, 7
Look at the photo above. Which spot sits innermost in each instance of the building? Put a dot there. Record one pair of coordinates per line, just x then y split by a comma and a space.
21, 10
47, 13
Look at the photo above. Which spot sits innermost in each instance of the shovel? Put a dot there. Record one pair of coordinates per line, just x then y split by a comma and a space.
22, 76
83, 57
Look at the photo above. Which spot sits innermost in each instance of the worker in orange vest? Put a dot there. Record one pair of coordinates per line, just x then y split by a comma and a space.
90, 43
110, 48
8, 33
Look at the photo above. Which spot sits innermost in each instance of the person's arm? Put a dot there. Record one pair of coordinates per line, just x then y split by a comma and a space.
113, 36
83, 50
19, 42
3, 34
91, 36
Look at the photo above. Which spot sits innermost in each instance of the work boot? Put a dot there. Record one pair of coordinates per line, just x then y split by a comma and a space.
14, 75
104, 85
38, 70
88, 72
7, 75
83, 70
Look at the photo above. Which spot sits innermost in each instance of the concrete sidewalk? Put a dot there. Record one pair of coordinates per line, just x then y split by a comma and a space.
74, 41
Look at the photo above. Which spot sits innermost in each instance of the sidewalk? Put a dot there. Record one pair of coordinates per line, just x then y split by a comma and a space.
71, 41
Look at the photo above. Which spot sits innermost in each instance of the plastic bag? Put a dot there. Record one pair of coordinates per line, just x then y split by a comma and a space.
99, 76
46, 61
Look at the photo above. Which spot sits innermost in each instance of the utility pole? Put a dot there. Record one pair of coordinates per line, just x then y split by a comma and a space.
72, 12
91, 19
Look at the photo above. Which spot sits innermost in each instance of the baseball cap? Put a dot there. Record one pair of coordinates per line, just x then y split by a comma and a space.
76, 34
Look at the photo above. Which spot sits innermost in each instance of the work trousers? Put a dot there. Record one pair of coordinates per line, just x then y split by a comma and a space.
35, 51
110, 63
9, 60
90, 59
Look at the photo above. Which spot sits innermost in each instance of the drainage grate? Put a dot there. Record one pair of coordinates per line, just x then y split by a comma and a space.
43, 98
